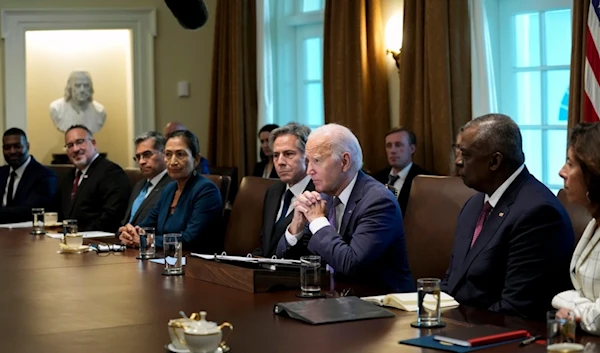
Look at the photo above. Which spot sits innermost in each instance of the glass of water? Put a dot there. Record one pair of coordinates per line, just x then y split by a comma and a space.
69, 227
561, 333
38, 221
172, 247
147, 246
428, 303
310, 276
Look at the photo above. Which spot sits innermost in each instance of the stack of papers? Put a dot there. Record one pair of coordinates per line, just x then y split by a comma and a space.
248, 259
17, 225
91, 234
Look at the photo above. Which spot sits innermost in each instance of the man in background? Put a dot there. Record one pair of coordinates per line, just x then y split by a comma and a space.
96, 193
149, 155
24, 182
288, 144
400, 145
203, 167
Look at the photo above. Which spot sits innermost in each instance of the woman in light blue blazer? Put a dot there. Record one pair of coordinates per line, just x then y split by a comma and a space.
190, 204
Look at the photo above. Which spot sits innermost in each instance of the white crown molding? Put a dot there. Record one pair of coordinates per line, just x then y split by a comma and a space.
141, 22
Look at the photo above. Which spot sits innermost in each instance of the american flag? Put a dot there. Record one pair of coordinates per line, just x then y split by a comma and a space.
591, 110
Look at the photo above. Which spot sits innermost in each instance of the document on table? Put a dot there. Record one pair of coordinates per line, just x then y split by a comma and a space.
248, 259
90, 234
17, 225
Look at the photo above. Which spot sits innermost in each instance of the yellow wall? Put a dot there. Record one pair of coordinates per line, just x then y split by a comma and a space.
180, 55
51, 56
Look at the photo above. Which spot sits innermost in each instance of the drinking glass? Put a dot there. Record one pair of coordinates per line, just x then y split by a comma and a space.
147, 246
38, 221
172, 247
428, 303
69, 227
561, 333
310, 276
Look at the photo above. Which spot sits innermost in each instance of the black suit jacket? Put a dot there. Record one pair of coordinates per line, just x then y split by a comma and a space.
520, 259
101, 197
36, 188
383, 176
148, 202
259, 168
270, 232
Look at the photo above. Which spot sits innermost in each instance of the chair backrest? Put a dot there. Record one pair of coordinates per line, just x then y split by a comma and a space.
134, 175
243, 230
62, 170
232, 173
430, 221
580, 216
223, 182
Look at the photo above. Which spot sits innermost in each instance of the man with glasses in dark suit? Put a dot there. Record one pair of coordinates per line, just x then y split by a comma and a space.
150, 157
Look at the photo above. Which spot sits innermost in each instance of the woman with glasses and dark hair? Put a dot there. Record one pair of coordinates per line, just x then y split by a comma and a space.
190, 204
581, 174
265, 168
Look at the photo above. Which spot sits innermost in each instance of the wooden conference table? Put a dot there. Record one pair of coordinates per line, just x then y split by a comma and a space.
88, 303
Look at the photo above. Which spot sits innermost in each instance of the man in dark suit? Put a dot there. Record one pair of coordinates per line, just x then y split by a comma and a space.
354, 222
400, 145
173, 126
96, 193
150, 157
513, 239
288, 144
24, 182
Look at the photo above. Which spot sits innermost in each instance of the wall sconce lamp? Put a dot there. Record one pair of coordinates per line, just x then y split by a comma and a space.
393, 38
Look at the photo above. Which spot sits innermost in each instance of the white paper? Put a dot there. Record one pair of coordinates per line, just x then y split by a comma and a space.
91, 234
248, 259
17, 225
162, 261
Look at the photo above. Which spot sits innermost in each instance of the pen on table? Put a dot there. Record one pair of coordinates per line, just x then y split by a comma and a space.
529, 340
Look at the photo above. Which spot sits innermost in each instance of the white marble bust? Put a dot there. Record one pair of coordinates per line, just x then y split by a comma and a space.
78, 105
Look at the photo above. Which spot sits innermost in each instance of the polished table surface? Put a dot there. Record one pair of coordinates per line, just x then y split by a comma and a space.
52, 302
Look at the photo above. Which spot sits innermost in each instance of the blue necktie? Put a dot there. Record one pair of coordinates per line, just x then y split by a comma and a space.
287, 200
139, 199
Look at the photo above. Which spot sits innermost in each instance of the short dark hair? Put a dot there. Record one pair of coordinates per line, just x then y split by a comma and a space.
79, 126
268, 128
15, 131
498, 133
300, 131
411, 135
584, 142
189, 138
159, 139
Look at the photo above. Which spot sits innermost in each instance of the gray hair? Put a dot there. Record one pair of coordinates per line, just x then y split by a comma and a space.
341, 140
68, 94
498, 133
300, 131
159, 139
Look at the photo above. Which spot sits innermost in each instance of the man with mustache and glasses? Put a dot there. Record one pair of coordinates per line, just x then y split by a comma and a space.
96, 193
150, 157
287, 143
24, 183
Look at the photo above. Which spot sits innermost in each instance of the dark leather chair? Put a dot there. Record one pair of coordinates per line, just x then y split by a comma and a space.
580, 216
232, 173
223, 182
430, 221
134, 175
62, 170
243, 230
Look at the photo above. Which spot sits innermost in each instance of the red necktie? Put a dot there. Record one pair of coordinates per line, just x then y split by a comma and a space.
485, 212
75, 184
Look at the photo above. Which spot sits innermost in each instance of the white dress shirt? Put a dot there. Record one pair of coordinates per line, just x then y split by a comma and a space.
493, 200
19, 171
318, 223
402, 177
296, 189
154, 181
84, 171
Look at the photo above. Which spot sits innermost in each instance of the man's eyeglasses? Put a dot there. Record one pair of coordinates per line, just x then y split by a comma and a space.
145, 155
77, 143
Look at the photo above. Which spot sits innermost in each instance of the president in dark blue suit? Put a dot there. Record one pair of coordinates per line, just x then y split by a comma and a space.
513, 239
354, 222
24, 183
190, 204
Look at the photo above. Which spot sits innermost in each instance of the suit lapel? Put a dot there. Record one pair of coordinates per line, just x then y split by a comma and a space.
588, 248
3, 181
271, 215
25, 182
355, 196
155, 192
83, 182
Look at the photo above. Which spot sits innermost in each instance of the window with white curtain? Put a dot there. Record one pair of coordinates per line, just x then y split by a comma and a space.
532, 59
297, 61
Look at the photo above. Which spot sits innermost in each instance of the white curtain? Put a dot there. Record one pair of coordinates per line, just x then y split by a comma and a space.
482, 68
264, 62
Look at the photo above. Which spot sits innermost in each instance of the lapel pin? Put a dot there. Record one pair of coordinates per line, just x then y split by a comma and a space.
501, 214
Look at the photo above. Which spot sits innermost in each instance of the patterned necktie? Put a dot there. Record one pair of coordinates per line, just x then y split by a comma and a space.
75, 184
393, 179
139, 199
332, 215
11, 186
483, 215
287, 200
